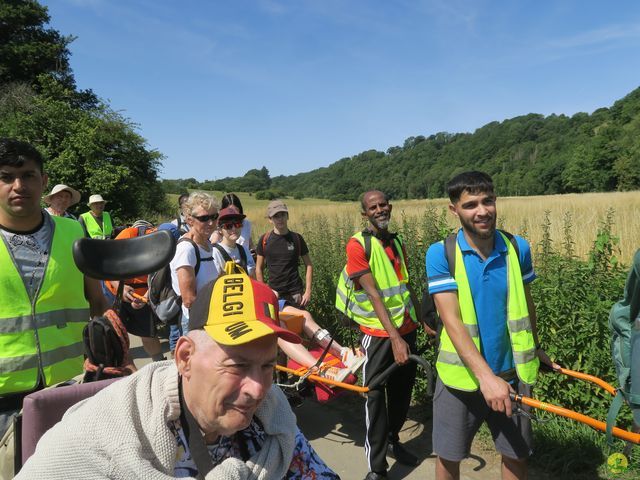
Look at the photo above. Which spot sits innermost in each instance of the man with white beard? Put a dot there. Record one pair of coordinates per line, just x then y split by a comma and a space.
373, 290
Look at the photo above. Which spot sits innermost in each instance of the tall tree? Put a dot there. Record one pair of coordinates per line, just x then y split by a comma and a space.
28, 48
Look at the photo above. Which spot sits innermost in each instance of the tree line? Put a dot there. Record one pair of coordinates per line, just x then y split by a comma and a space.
526, 155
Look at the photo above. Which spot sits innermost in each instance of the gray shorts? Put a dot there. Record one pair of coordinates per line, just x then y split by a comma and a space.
457, 416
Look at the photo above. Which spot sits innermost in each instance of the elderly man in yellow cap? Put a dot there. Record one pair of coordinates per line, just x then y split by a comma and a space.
212, 413
60, 199
96, 222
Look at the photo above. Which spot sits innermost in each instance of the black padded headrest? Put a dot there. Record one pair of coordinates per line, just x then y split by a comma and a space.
122, 259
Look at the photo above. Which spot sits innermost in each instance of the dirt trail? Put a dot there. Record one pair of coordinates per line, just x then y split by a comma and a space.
336, 431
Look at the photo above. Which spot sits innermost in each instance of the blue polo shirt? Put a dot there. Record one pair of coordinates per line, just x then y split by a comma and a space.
488, 282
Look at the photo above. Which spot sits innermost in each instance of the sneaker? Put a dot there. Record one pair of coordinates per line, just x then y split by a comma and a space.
353, 361
334, 373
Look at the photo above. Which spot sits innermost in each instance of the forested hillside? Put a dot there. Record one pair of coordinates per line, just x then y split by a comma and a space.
86, 144
527, 155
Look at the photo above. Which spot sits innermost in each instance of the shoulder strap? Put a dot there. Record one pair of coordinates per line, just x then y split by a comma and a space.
265, 238
513, 241
223, 252
141, 230
366, 236
195, 440
450, 252
196, 248
243, 256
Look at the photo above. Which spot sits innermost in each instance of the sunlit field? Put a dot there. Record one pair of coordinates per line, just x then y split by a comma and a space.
581, 214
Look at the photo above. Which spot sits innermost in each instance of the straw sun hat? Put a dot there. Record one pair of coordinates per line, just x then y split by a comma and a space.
75, 195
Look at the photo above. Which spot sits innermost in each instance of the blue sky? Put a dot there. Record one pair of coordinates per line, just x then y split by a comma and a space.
220, 87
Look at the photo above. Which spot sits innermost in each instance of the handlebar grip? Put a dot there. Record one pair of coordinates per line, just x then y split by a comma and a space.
384, 376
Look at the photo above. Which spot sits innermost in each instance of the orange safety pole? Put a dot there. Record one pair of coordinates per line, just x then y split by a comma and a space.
565, 412
589, 378
328, 381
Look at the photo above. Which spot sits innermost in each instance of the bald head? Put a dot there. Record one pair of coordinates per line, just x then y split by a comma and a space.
364, 199
377, 209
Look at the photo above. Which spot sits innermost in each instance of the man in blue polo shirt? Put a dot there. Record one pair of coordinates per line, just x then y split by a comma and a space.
489, 346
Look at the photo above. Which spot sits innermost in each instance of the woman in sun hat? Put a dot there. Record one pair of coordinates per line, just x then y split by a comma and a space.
60, 199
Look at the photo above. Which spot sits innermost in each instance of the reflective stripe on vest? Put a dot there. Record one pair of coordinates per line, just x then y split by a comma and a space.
394, 293
450, 366
93, 229
43, 339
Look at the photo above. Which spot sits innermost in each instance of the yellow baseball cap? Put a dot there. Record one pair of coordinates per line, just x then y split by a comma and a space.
235, 309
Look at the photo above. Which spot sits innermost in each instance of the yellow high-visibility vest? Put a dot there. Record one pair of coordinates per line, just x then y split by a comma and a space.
394, 293
42, 338
94, 229
451, 369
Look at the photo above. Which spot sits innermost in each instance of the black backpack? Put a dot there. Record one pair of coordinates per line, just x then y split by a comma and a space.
429, 313
163, 300
102, 344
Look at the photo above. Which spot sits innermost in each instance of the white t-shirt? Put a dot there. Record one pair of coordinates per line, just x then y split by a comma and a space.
245, 233
186, 256
234, 253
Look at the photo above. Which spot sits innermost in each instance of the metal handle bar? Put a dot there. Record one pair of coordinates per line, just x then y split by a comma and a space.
384, 376
589, 378
376, 383
565, 412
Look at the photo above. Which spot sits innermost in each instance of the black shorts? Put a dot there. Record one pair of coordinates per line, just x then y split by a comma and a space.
138, 322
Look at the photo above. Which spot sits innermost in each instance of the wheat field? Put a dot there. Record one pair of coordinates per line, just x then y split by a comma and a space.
521, 215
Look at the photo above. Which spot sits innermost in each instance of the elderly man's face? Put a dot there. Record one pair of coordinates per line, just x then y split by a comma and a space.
61, 200
97, 208
223, 385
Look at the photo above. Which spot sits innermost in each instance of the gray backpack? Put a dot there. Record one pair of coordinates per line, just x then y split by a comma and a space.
624, 321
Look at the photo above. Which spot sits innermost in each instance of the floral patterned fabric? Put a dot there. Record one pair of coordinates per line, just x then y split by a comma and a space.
305, 464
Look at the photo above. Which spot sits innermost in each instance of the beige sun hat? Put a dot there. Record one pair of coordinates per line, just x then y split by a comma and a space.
96, 199
61, 187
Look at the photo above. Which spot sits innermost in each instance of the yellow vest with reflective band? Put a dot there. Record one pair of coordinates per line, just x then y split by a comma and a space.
394, 293
94, 229
43, 338
451, 369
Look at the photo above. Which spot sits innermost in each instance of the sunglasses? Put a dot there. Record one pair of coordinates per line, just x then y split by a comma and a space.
230, 225
206, 218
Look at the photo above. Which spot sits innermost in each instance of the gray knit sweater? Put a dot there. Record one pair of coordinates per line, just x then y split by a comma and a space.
122, 433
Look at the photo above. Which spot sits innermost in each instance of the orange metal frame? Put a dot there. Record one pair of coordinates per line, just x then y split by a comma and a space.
316, 378
565, 412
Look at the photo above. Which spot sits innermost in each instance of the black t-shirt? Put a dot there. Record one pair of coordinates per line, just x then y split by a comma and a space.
281, 254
